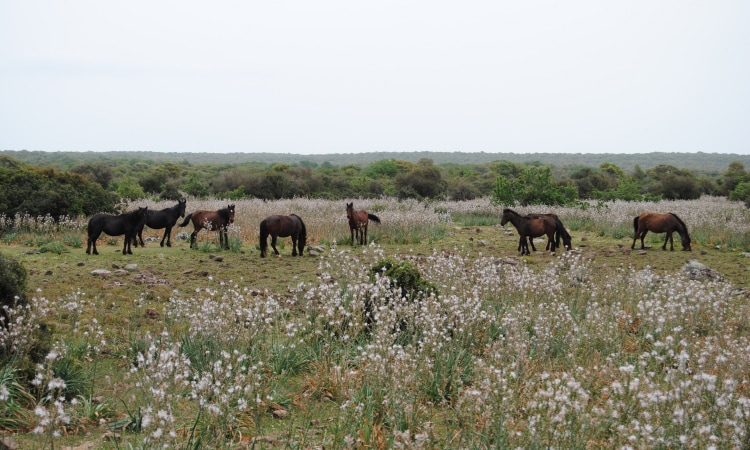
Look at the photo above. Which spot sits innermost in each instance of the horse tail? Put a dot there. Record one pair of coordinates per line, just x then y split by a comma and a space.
187, 220
635, 224
263, 238
303, 232
373, 217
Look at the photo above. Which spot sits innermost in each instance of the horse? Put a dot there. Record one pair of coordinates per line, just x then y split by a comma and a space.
284, 226
661, 223
560, 233
211, 220
126, 223
531, 227
358, 221
165, 218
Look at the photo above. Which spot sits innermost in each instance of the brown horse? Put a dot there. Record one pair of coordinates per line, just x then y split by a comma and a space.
284, 226
358, 221
211, 220
531, 227
661, 223
560, 233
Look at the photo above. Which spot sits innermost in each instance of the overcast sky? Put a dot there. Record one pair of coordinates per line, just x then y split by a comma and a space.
321, 76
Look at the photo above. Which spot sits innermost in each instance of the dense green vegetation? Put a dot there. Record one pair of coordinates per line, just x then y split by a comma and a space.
75, 183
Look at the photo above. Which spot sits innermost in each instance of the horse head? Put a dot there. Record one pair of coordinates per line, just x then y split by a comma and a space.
230, 210
349, 210
181, 206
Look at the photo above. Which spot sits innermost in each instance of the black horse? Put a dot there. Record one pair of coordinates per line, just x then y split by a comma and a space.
126, 224
165, 218
284, 226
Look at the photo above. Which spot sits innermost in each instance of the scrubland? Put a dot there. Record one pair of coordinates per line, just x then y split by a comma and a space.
207, 348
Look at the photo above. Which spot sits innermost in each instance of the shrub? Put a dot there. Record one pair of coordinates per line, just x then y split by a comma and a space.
404, 275
12, 285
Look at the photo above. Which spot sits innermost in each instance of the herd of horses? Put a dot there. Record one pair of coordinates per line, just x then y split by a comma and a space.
529, 226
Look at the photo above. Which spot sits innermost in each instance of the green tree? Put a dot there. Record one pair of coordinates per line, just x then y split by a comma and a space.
741, 193
734, 175
534, 186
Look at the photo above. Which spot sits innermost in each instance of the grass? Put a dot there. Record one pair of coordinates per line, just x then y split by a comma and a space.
573, 350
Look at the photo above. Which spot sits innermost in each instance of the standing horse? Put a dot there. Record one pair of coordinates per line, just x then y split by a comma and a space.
561, 232
358, 221
211, 220
661, 223
284, 226
126, 224
165, 218
531, 227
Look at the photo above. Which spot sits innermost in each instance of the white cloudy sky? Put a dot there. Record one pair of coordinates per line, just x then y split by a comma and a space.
325, 76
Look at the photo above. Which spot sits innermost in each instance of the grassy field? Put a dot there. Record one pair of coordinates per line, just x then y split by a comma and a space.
208, 348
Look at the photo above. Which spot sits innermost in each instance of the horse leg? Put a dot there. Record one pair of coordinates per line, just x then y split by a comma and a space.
668, 238
531, 241
273, 244
364, 235
126, 250
225, 243
294, 246
643, 236
351, 229
166, 231
92, 242
193, 237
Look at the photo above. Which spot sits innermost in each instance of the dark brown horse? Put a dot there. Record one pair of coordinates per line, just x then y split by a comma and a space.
661, 223
531, 227
283, 226
560, 233
126, 224
211, 220
358, 221
165, 218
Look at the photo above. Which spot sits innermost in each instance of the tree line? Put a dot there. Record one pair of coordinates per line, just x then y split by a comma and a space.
99, 186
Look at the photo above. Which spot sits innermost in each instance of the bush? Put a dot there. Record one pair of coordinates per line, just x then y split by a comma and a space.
12, 285
404, 275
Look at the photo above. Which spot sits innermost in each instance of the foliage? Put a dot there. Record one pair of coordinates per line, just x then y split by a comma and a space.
44, 191
533, 186
405, 276
13, 278
741, 193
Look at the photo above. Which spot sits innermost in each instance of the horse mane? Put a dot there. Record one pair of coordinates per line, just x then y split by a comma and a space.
682, 224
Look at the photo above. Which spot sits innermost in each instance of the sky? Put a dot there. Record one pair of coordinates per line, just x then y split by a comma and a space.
323, 77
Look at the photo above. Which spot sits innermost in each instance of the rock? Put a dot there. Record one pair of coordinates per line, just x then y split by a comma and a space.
131, 267
121, 272
48, 273
698, 271
102, 273
151, 313
745, 254
81, 264
280, 413
481, 243
7, 443
218, 258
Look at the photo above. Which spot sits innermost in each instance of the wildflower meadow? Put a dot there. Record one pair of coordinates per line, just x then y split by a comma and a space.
435, 334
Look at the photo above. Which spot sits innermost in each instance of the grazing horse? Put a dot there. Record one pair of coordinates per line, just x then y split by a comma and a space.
211, 220
358, 221
661, 223
165, 218
560, 233
531, 227
126, 224
284, 226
